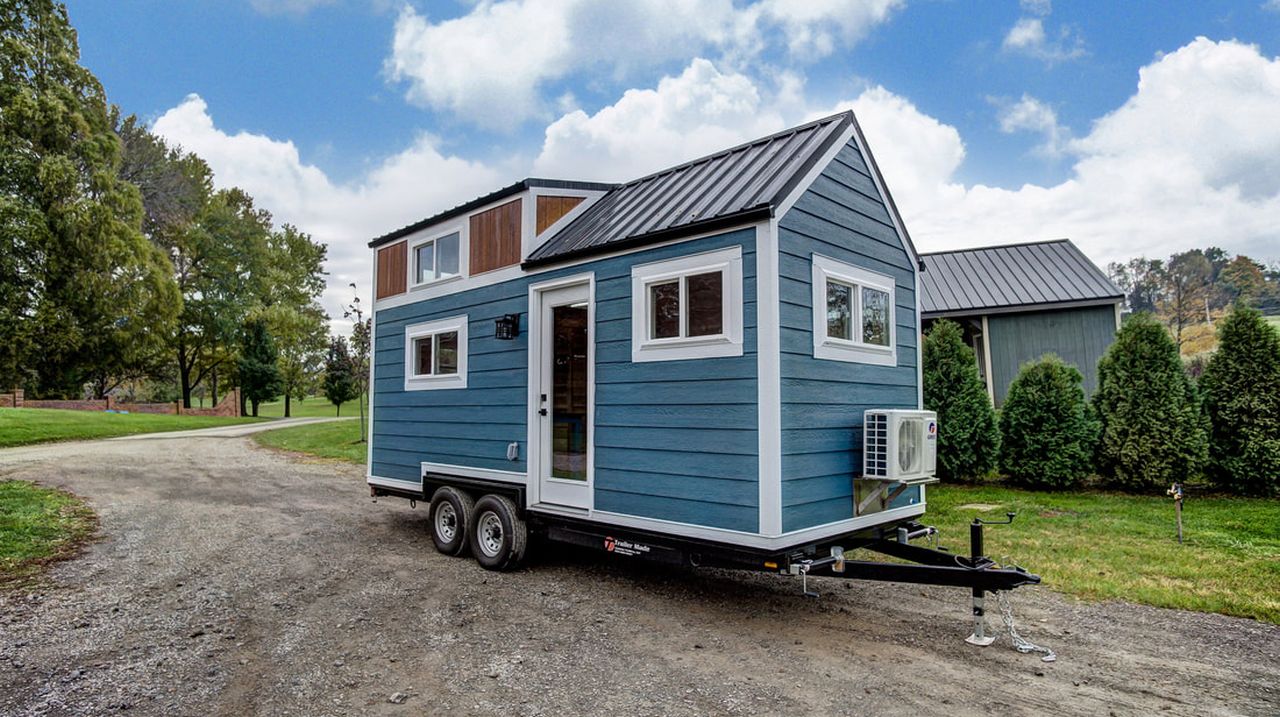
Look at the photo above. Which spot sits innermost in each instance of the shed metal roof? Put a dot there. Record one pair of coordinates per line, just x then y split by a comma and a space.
1051, 274
729, 187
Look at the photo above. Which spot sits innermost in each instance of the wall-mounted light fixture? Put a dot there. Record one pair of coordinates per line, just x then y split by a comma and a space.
507, 327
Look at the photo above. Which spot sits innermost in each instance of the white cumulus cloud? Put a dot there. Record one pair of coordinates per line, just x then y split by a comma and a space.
1028, 36
416, 182
1032, 115
697, 112
493, 65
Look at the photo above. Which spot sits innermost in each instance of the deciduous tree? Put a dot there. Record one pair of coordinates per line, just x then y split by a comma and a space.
84, 292
259, 374
339, 382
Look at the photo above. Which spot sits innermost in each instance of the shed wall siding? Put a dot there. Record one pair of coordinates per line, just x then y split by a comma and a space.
839, 216
1078, 336
674, 440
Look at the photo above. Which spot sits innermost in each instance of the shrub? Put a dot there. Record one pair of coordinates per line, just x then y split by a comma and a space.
1241, 386
1152, 430
967, 434
1047, 431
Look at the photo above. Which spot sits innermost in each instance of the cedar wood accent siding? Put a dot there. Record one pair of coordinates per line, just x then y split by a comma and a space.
393, 270
840, 216
495, 238
674, 440
551, 209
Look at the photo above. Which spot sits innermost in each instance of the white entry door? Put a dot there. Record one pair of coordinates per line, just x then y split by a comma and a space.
563, 396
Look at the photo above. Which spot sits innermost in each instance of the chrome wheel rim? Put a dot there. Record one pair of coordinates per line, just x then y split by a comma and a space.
489, 534
446, 522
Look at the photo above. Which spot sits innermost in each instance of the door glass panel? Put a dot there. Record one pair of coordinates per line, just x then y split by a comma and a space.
447, 353
569, 392
706, 304
664, 308
447, 251
839, 311
875, 317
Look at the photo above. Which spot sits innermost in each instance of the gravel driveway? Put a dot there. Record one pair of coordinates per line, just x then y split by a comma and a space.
234, 580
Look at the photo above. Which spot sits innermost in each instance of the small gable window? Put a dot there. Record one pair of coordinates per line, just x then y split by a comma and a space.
853, 317
686, 308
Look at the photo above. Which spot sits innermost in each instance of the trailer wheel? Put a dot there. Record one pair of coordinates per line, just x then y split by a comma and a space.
450, 514
498, 534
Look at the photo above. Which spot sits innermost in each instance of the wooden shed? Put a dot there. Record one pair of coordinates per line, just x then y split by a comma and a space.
1018, 302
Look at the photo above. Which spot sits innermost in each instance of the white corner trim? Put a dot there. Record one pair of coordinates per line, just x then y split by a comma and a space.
768, 379
728, 262
373, 356
414, 382
855, 351
472, 472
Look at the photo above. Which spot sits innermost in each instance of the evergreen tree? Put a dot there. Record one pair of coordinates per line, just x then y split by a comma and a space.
84, 293
1241, 386
1153, 432
1047, 432
968, 438
339, 382
259, 375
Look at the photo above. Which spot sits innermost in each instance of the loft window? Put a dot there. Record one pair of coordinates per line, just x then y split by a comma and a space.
852, 313
436, 259
690, 307
436, 355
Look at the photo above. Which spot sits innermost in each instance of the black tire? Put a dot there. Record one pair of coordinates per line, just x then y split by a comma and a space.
449, 519
497, 533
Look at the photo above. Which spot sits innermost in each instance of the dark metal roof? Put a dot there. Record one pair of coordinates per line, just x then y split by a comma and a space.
1051, 274
730, 187
489, 198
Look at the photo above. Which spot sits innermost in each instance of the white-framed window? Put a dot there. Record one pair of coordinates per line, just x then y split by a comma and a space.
435, 354
437, 258
853, 314
687, 308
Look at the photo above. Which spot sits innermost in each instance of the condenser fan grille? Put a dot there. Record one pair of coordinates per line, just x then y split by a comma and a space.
910, 432
876, 445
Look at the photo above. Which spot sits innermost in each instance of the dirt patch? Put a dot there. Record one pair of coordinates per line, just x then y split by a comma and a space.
981, 507
232, 580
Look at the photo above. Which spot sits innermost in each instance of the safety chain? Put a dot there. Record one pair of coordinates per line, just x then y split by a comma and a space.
1020, 643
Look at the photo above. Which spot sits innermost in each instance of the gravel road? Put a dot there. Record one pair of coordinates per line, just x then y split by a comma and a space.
233, 580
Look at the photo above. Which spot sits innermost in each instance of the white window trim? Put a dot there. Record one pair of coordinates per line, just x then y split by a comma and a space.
463, 252
838, 349
729, 263
413, 382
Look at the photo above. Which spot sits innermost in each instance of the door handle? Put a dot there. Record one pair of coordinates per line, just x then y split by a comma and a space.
542, 411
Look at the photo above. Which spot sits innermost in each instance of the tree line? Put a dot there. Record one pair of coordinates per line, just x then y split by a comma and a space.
121, 261
1193, 287
1150, 423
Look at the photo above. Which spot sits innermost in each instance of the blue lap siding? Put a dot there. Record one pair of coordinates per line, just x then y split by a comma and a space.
674, 440
842, 217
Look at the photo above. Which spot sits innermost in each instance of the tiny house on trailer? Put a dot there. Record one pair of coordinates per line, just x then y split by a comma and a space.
677, 368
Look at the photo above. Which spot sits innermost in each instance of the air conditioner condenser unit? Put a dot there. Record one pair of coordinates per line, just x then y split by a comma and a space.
900, 445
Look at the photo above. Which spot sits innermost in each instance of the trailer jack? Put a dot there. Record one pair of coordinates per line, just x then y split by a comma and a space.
929, 566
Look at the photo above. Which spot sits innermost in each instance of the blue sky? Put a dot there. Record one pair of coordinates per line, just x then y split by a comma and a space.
996, 121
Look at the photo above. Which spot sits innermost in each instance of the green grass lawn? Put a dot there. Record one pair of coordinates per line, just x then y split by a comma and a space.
24, 426
339, 440
312, 407
38, 525
1103, 546
1273, 320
